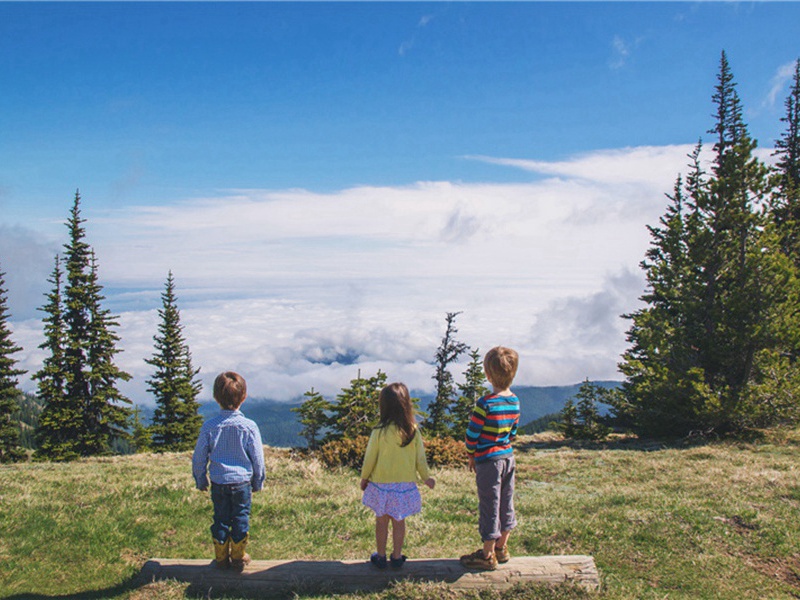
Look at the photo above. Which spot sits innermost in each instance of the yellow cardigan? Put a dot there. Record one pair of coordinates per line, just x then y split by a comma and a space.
386, 461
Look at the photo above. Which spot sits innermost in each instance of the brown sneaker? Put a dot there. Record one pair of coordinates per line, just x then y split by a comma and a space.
477, 560
502, 554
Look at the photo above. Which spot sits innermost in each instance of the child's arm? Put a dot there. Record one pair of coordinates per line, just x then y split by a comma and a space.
474, 429
422, 462
200, 463
370, 459
256, 452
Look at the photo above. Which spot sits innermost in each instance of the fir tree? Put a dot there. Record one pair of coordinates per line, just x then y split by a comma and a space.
439, 420
142, 438
313, 416
356, 409
176, 421
714, 277
470, 392
105, 417
92, 415
10, 449
59, 423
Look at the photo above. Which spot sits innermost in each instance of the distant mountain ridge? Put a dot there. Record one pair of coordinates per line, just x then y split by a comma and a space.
280, 428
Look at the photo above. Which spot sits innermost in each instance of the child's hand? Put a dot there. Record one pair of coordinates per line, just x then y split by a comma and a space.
471, 463
364, 483
430, 482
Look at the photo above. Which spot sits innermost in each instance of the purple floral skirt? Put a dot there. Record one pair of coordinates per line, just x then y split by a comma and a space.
398, 500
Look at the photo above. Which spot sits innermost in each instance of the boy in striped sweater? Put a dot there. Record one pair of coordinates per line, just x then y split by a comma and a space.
492, 428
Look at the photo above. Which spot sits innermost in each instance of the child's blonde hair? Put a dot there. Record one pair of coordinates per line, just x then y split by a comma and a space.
230, 390
500, 365
395, 407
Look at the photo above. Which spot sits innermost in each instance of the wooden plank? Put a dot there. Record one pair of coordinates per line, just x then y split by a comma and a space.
280, 577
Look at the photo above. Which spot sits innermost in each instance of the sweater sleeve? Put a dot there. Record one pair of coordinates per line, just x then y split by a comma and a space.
370, 456
475, 426
422, 462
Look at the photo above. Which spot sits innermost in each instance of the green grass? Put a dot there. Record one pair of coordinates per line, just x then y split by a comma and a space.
712, 521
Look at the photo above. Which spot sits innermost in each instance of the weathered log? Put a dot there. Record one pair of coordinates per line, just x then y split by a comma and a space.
273, 578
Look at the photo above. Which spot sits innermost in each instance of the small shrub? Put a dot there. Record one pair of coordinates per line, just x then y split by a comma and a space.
445, 452
346, 452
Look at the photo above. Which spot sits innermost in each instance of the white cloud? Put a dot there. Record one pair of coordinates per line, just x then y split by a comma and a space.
620, 52
296, 289
778, 83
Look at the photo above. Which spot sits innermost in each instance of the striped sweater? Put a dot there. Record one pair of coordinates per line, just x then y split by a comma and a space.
492, 427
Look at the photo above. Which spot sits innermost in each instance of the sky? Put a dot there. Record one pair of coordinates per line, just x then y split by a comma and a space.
326, 181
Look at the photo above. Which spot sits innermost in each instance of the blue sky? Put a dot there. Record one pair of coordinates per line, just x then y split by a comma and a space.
327, 180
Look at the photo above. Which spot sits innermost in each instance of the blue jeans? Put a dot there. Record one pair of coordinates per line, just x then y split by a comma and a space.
231, 511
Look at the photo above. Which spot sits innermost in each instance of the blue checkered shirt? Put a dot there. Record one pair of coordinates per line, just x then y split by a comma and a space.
230, 449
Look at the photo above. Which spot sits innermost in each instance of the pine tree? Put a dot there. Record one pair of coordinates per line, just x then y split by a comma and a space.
92, 415
439, 421
470, 392
356, 409
176, 421
10, 449
59, 424
714, 277
105, 416
313, 414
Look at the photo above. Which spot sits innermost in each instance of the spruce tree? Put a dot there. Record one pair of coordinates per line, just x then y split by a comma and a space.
176, 421
92, 415
59, 424
439, 421
313, 416
10, 449
714, 278
356, 409
473, 388
106, 417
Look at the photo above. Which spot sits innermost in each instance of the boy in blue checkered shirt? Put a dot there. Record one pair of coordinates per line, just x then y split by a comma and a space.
229, 450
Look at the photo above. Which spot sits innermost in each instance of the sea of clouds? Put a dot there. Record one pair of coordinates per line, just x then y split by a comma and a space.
297, 289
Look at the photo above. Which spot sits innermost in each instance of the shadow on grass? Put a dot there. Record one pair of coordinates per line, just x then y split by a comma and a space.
129, 585
625, 443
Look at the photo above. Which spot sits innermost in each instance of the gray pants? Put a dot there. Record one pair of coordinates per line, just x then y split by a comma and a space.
495, 480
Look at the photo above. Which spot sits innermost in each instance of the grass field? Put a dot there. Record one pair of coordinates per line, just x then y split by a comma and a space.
719, 520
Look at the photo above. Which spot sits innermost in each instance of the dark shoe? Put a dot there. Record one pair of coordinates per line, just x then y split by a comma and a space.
477, 560
397, 563
378, 560
502, 554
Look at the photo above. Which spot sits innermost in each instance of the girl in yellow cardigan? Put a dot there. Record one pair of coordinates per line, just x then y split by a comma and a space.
395, 455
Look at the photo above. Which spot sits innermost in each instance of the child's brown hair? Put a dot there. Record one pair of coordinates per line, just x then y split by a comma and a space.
395, 407
500, 365
230, 390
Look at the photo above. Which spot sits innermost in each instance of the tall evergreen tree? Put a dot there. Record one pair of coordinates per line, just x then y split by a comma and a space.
439, 421
713, 285
176, 421
313, 414
59, 424
106, 417
786, 206
93, 414
473, 388
10, 449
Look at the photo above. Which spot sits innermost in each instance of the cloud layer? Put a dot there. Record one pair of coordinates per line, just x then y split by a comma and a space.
297, 289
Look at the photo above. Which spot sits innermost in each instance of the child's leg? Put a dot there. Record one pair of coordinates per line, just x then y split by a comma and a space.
381, 533
398, 537
508, 518
488, 480
220, 528
240, 500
